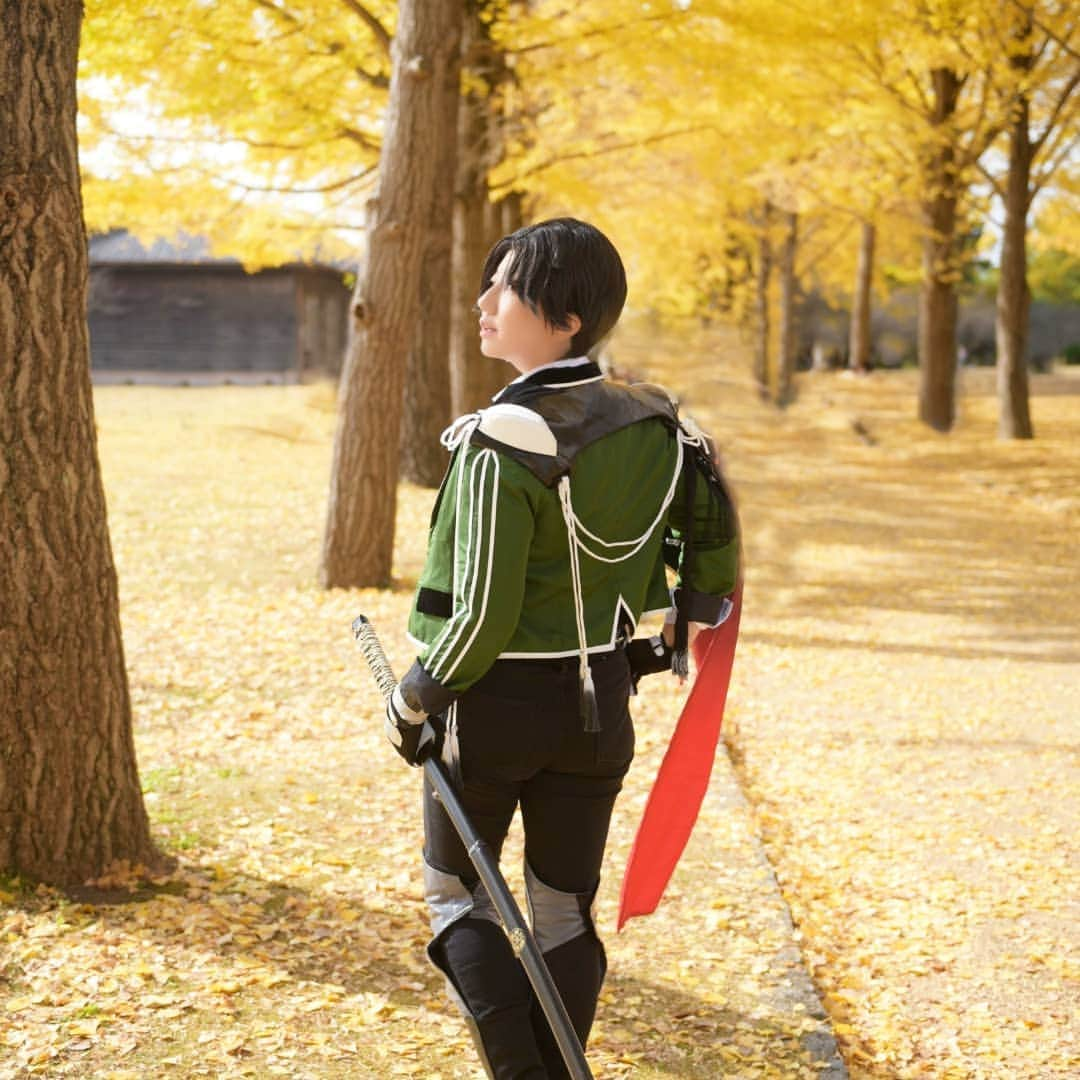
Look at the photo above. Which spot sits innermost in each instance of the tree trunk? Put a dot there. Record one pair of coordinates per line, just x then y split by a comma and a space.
70, 798
492, 375
1013, 295
785, 346
468, 365
513, 216
427, 408
427, 374
761, 299
474, 377
937, 298
859, 336
493, 231
359, 540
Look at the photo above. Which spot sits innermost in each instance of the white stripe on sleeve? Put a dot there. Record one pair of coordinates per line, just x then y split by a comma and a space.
445, 654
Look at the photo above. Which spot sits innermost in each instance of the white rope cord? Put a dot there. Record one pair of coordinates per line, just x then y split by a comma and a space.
690, 432
574, 525
639, 542
575, 576
459, 430
690, 436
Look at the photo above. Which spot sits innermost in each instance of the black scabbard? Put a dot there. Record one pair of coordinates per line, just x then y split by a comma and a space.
517, 930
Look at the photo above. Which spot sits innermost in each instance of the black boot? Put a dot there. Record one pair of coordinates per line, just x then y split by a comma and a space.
578, 969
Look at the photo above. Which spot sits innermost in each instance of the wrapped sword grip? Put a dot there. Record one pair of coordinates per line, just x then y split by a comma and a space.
368, 640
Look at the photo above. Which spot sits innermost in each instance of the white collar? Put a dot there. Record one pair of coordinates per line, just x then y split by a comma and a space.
572, 361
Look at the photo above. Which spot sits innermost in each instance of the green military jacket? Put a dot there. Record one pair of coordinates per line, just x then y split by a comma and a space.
562, 507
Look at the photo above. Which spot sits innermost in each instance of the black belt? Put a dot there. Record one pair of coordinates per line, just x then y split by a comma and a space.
563, 663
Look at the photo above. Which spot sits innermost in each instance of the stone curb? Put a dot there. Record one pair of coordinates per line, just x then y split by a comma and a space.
798, 989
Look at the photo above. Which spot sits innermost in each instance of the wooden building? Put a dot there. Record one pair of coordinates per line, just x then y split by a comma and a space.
172, 313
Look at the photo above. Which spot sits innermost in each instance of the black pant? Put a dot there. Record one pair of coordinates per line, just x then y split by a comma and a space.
521, 742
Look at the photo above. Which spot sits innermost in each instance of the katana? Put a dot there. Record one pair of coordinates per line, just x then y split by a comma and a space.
517, 930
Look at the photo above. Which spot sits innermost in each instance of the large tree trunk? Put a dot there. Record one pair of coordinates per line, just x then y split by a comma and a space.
761, 302
474, 377
359, 540
427, 382
469, 367
1013, 295
492, 375
70, 799
513, 215
859, 335
785, 345
937, 298
427, 408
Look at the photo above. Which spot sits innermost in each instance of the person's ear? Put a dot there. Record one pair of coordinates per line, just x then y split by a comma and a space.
573, 324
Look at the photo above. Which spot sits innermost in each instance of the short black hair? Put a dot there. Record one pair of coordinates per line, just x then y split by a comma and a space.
564, 267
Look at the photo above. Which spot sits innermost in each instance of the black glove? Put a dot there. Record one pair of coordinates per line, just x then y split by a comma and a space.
411, 732
648, 656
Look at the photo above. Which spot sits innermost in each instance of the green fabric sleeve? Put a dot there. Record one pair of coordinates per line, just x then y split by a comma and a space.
715, 528
494, 522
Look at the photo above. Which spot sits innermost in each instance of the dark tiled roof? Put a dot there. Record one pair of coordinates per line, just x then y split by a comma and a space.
119, 246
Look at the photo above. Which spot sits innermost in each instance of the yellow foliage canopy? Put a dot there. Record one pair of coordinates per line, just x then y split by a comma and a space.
255, 123
669, 123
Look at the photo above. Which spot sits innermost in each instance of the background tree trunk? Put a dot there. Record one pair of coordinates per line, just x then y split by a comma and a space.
427, 408
761, 301
859, 336
513, 215
468, 365
70, 798
427, 374
785, 345
1013, 295
937, 297
359, 539
492, 375
474, 377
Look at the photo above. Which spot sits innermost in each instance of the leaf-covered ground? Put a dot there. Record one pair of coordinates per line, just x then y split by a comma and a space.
904, 717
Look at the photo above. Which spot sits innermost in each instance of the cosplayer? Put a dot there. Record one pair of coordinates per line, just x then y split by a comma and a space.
563, 502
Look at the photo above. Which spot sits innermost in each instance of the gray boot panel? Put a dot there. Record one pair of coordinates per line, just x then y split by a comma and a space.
557, 917
449, 899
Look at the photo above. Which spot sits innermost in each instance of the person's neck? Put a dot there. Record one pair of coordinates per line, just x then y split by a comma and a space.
562, 361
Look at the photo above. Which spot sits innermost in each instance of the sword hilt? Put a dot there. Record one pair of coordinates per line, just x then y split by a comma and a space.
370, 646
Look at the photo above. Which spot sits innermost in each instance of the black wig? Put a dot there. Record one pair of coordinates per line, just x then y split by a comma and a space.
564, 267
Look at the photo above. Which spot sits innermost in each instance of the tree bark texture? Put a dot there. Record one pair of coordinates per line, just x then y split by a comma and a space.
1013, 295
427, 408
513, 216
359, 538
493, 375
70, 798
468, 365
859, 333
785, 345
474, 377
940, 269
761, 299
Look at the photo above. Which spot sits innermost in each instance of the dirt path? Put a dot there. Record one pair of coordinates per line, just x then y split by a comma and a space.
904, 720
907, 719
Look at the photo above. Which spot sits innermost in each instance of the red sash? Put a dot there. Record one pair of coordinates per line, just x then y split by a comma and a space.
680, 785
